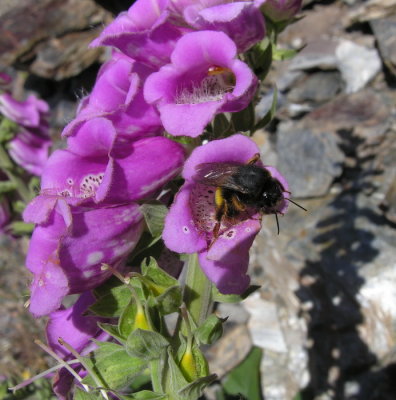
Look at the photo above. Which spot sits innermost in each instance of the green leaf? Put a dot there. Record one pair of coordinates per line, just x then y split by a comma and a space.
113, 365
232, 298
298, 397
127, 319
195, 389
143, 395
211, 330
146, 345
236, 383
112, 330
7, 186
170, 301
80, 394
112, 300
270, 113
154, 213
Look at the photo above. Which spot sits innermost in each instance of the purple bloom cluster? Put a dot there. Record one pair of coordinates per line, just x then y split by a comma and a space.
29, 148
174, 66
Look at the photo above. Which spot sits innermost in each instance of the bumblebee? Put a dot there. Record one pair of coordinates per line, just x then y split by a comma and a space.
240, 188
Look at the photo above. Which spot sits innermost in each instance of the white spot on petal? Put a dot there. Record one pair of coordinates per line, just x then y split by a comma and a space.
186, 230
95, 257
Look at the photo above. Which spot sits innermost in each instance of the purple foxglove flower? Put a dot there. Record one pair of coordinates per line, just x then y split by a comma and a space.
76, 329
242, 21
281, 10
118, 97
204, 78
144, 33
67, 250
29, 148
98, 168
190, 222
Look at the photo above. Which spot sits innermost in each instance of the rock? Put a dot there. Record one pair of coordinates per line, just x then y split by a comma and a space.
370, 10
357, 64
264, 325
65, 56
229, 351
316, 54
30, 23
317, 87
310, 160
367, 114
385, 33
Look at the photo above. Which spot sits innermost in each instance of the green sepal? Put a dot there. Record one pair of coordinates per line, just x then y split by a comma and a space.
174, 379
146, 345
143, 395
18, 206
211, 330
81, 394
114, 366
268, 117
21, 228
195, 389
157, 275
154, 213
169, 301
8, 129
222, 126
112, 298
112, 330
126, 321
279, 54
243, 121
260, 58
232, 298
7, 186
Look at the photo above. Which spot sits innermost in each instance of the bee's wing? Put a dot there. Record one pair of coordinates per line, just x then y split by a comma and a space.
218, 174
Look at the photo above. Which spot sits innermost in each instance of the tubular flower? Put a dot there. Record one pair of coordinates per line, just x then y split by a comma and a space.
191, 220
29, 148
118, 97
68, 247
145, 33
242, 21
203, 79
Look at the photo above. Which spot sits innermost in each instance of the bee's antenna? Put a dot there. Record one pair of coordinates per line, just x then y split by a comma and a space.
277, 222
298, 205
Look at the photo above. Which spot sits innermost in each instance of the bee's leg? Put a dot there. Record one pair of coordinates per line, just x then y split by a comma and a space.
254, 159
239, 207
221, 210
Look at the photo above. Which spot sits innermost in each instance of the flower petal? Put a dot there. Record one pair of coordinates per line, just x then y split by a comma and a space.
180, 233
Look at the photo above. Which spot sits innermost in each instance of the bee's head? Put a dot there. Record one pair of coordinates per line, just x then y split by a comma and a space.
272, 196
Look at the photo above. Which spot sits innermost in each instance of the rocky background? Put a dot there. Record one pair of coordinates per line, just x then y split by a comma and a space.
325, 315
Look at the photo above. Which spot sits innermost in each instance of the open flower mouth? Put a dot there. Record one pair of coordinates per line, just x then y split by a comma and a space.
217, 82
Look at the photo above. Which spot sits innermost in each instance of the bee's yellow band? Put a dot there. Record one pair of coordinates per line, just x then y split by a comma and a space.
219, 199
